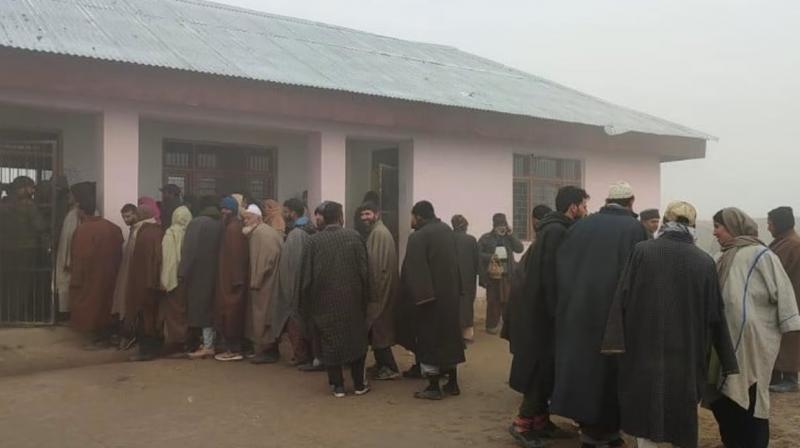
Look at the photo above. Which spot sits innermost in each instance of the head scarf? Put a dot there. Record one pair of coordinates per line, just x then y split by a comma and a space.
460, 223
679, 217
745, 233
148, 208
240, 201
171, 247
273, 215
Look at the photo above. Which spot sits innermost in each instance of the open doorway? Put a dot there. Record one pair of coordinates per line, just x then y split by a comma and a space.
374, 166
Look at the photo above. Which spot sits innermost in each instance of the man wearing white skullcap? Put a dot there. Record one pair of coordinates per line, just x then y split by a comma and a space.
588, 266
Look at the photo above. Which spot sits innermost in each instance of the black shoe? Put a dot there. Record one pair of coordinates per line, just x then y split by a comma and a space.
452, 389
553, 431
266, 358
414, 372
363, 390
433, 391
526, 439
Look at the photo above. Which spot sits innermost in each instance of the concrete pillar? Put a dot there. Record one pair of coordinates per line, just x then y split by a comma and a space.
327, 167
118, 154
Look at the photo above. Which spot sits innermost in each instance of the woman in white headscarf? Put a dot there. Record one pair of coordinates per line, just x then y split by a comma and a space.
173, 308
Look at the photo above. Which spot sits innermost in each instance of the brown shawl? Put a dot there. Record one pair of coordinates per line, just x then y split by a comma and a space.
745, 233
273, 215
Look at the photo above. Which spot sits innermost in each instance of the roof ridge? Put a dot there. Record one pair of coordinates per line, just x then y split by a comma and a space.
538, 78
255, 12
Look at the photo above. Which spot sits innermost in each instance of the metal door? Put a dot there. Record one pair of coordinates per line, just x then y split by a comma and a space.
28, 213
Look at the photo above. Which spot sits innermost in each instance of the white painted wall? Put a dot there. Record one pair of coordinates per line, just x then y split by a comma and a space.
292, 175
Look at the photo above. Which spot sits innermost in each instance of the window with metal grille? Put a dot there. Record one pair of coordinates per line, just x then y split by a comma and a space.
536, 181
204, 168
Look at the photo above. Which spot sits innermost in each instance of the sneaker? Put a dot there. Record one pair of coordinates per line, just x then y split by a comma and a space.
266, 358
202, 353
363, 391
386, 374
526, 439
493, 331
229, 356
338, 392
784, 387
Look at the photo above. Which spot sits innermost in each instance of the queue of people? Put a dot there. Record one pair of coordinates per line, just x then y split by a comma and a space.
616, 321
626, 326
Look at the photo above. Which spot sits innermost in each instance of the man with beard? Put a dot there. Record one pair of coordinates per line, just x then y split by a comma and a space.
144, 291
128, 213
233, 268
531, 318
651, 219
335, 297
384, 278
786, 245
588, 267
667, 312
265, 252
95, 254
428, 319
283, 308
497, 249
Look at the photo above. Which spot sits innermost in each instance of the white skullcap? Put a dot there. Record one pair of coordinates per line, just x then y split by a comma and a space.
620, 190
253, 208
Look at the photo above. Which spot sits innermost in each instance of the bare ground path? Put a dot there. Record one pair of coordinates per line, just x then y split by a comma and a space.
181, 403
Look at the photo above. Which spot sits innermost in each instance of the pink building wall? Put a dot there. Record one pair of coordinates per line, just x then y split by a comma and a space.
460, 160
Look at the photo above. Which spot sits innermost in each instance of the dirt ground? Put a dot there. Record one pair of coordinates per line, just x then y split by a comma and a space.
199, 404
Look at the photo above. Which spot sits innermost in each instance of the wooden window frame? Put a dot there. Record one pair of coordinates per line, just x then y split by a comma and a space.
532, 181
193, 173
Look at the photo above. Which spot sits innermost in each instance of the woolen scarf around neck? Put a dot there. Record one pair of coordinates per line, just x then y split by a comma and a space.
745, 233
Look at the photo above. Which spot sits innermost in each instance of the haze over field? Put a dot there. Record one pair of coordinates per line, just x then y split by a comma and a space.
730, 68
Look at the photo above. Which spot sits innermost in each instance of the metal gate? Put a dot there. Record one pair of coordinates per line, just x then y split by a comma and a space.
29, 212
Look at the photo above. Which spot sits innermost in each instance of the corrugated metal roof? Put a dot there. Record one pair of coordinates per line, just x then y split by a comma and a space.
207, 37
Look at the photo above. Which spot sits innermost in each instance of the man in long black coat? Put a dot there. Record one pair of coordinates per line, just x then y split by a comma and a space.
588, 266
531, 318
334, 297
198, 271
428, 313
667, 311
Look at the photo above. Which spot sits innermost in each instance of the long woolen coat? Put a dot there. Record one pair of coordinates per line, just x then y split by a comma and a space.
285, 305
232, 281
667, 311
198, 266
95, 255
530, 316
384, 280
428, 313
265, 254
588, 266
787, 248
335, 293
468, 260
144, 281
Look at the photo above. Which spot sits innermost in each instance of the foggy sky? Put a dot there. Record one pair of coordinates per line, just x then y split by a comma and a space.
730, 68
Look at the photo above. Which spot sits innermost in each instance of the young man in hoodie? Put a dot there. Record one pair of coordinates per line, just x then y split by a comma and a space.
531, 320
